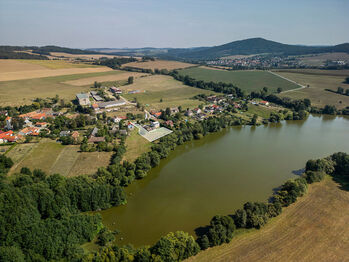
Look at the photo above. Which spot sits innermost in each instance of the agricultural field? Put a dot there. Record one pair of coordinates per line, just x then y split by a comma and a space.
320, 59
313, 229
81, 56
159, 64
318, 81
173, 93
246, 80
19, 92
260, 110
117, 76
136, 145
30, 69
54, 158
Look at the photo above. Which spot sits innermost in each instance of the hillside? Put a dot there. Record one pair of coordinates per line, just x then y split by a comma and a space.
252, 46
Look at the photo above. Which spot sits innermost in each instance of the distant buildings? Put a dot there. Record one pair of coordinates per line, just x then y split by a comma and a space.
83, 99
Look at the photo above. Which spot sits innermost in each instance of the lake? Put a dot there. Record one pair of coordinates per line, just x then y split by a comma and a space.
219, 173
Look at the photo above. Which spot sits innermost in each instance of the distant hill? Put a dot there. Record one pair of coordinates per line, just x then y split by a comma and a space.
252, 46
19, 52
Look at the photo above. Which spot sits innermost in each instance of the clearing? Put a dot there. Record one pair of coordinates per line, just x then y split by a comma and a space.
117, 76
158, 64
172, 92
318, 81
315, 228
136, 145
246, 80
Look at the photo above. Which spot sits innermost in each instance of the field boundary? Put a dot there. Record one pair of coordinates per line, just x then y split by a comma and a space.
294, 82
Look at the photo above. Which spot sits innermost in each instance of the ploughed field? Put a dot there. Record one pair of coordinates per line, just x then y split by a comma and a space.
219, 173
246, 80
315, 228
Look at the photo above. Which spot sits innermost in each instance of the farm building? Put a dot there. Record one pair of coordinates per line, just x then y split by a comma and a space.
83, 99
115, 90
110, 104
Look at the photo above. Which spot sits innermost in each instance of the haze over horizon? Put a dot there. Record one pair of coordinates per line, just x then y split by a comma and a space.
155, 23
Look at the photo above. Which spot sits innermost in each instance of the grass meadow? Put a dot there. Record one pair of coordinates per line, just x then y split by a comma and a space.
158, 87
246, 80
318, 81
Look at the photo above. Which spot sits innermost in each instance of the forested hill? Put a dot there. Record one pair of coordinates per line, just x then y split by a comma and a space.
253, 46
21, 52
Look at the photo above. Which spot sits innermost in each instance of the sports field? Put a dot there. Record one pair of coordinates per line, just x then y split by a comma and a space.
159, 64
315, 228
246, 80
53, 158
173, 93
21, 92
318, 81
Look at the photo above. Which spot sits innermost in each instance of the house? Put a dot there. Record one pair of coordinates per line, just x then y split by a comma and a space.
75, 135
155, 114
174, 110
29, 131
41, 124
265, 103
83, 99
94, 131
37, 115
115, 90
95, 139
110, 104
64, 133
212, 99
9, 123
130, 126
95, 106
7, 137
155, 124
197, 111
169, 123
96, 97
188, 113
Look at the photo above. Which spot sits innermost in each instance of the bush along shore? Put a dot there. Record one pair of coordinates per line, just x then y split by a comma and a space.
41, 216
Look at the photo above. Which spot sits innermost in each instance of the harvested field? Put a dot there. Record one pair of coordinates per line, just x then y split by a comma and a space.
315, 228
173, 93
320, 59
82, 56
118, 76
42, 87
65, 160
31, 74
246, 80
159, 64
59, 64
12, 65
318, 81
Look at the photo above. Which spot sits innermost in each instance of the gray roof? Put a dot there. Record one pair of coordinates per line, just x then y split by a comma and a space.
82, 96
110, 104
94, 131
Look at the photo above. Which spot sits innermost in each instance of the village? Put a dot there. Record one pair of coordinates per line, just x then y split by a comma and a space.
106, 109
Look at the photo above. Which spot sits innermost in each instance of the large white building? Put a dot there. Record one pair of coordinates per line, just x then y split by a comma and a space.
83, 99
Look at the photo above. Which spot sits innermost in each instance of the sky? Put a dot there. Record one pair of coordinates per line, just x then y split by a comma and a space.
171, 23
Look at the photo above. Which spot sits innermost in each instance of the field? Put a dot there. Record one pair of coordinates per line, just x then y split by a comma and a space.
260, 110
246, 80
315, 228
21, 92
82, 56
117, 76
135, 145
53, 158
159, 64
173, 93
320, 59
318, 81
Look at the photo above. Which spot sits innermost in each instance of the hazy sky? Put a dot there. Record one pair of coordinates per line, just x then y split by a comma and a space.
171, 23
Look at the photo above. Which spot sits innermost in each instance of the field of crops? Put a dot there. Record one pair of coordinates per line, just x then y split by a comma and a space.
159, 64
246, 80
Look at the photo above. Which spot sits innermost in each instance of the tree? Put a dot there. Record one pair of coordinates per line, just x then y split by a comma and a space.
279, 90
347, 80
340, 90
130, 80
347, 92
160, 100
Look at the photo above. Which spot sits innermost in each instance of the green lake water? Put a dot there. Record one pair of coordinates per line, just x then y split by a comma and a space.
219, 173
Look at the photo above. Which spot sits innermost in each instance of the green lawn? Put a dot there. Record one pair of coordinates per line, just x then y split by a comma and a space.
135, 146
246, 80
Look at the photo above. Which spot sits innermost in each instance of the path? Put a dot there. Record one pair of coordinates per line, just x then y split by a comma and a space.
296, 89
